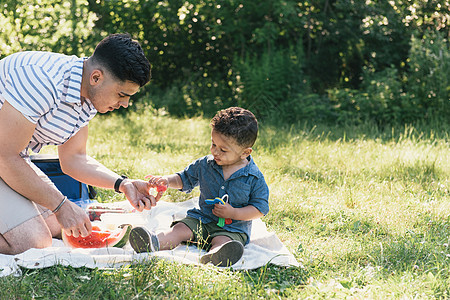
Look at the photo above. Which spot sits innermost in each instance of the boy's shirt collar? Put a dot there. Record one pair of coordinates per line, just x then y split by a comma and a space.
251, 168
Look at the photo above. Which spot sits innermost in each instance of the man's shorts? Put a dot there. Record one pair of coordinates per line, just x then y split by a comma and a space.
15, 209
204, 233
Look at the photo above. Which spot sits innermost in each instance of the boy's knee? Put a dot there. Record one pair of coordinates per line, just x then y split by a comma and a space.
183, 231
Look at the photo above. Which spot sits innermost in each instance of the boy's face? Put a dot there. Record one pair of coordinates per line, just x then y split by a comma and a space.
226, 151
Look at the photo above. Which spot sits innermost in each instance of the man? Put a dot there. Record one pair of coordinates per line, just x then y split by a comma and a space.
48, 99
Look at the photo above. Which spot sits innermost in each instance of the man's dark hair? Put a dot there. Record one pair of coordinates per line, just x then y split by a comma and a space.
124, 58
237, 123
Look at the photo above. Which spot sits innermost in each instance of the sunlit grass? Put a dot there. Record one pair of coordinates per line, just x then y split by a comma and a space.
365, 210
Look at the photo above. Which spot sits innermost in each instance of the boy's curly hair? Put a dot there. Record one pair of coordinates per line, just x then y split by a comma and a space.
237, 123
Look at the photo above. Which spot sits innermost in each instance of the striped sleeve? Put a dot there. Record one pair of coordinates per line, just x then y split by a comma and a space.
31, 91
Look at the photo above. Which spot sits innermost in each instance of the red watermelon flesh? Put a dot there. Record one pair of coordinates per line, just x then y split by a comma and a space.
99, 238
161, 188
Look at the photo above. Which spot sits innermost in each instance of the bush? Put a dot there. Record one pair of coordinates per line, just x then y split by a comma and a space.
59, 26
428, 77
264, 83
384, 97
344, 61
419, 92
303, 108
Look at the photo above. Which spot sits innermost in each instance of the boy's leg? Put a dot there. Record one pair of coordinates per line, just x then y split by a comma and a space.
226, 247
219, 241
224, 252
142, 240
174, 236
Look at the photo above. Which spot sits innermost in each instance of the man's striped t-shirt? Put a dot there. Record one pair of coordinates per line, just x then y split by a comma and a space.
45, 88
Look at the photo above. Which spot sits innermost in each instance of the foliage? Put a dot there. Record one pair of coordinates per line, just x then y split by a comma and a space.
264, 83
428, 79
60, 26
385, 61
420, 90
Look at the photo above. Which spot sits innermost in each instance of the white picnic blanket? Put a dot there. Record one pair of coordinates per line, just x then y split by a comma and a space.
264, 247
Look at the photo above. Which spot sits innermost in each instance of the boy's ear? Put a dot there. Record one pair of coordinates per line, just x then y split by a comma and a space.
246, 152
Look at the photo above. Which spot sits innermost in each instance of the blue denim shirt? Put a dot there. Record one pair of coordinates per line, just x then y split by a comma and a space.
244, 187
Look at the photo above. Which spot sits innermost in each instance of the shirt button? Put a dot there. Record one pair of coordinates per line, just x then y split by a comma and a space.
222, 187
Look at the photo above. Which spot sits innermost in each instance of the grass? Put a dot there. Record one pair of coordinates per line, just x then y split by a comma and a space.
366, 211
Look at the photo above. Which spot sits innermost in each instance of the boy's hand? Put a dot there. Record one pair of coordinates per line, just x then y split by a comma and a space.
158, 182
225, 211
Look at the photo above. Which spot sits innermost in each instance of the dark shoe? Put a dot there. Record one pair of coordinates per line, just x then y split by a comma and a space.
224, 256
143, 240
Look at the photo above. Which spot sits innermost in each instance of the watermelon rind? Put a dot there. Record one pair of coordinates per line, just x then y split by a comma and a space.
123, 241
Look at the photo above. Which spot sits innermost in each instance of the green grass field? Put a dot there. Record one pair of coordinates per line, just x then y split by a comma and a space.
366, 211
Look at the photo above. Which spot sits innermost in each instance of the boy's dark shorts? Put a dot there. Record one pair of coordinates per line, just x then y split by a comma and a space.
204, 233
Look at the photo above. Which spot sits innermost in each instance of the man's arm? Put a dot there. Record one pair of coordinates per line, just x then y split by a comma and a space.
76, 163
15, 134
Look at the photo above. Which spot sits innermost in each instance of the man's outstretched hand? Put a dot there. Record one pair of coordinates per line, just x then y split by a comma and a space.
138, 194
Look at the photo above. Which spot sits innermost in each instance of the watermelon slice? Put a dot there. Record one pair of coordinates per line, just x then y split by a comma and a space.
161, 188
100, 238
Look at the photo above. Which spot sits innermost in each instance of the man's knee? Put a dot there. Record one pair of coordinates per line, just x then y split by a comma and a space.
31, 234
43, 240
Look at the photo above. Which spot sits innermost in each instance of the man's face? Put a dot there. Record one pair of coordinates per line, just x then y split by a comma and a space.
108, 93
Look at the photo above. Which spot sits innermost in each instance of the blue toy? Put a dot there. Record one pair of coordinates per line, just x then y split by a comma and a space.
216, 200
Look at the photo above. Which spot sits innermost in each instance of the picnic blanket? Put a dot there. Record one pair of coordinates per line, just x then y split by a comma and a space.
265, 247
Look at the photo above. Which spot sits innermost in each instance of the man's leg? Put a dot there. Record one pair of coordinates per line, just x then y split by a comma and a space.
24, 224
53, 226
33, 233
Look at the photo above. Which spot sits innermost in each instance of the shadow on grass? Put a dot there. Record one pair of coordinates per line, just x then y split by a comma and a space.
277, 279
274, 136
422, 250
425, 173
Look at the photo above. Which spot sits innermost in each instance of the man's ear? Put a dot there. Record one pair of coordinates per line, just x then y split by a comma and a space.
246, 152
96, 77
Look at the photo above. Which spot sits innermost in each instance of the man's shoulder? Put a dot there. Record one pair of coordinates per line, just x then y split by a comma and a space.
38, 58
39, 64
